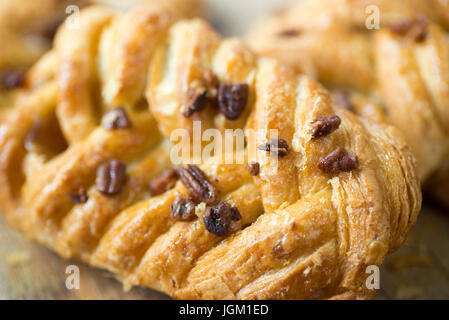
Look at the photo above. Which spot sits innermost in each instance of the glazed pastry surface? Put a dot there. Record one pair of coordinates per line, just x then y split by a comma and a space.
27, 31
403, 67
341, 195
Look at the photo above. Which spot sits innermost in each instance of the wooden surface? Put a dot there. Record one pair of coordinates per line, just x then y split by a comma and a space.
419, 270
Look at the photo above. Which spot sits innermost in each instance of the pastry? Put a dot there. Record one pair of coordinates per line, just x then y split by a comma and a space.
301, 219
27, 31
402, 67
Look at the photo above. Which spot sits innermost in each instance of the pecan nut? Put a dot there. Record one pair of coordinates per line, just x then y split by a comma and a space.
324, 126
116, 118
80, 196
218, 218
289, 33
419, 32
11, 78
198, 103
165, 181
111, 177
415, 30
232, 99
339, 160
278, 147
182, 208
253, 168
196, 182
401, 27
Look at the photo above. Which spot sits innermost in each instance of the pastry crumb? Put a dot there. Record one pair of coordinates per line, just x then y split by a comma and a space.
200, 209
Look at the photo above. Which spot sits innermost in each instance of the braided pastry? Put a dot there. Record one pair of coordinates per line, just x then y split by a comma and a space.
403, 67
85, 166
27, 30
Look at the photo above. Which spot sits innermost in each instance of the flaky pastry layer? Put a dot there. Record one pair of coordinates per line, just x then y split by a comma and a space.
306, 229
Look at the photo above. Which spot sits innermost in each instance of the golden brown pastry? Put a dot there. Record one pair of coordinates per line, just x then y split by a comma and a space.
27, 30
341, 194
403, 67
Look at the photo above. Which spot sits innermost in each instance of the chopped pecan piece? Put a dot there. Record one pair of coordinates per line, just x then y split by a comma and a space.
218, 218
198, 103
232, 99
341, 98
111, 177
415, 30
165, 181
277, 146
253, 168
116, 118
183, 208
11, 78
418, 33
289, 33
196, 182
337, 161
401, 27
235, 214
80, 196
324, 126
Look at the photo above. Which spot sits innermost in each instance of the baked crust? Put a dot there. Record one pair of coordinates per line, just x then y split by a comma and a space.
27, 31
408, 77
302, 234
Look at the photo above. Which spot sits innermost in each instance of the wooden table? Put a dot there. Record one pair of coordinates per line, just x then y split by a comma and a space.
418, 270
